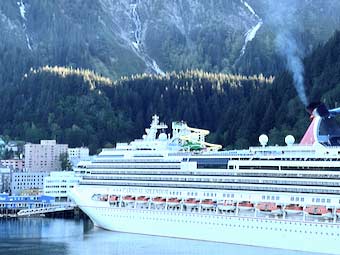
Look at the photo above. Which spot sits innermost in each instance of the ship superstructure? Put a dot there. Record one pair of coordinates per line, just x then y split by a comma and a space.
273, 196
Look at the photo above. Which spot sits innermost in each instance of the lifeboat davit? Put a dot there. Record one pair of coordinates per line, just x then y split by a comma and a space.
269, 208
142, 199
293, 209
245, 206
174, 201
208, 203
319, 211
226, 206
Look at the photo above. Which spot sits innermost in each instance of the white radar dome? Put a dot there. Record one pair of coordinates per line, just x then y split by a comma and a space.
289, 140
263, 139
162, 137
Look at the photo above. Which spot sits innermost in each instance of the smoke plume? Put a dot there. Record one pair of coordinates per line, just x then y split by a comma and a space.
288, 48
283, 17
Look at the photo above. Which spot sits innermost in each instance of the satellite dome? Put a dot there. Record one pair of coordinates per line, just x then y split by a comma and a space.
289, 140
162, 137
263, 139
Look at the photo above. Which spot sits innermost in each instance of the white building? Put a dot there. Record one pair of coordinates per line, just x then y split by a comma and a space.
44, 157
58, 183
76, 155
15, 164
22, 182
5, 179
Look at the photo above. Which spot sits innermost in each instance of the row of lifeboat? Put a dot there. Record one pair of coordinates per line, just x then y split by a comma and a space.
265, 207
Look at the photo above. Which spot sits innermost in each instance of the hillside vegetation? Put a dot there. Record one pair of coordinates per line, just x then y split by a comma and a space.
79, 107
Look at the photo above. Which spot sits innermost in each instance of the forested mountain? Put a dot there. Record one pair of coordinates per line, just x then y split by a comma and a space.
80, 107
124, 37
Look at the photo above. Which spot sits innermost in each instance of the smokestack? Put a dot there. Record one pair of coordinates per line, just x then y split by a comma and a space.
318, 109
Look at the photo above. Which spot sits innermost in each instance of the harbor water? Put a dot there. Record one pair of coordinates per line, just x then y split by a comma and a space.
41, 236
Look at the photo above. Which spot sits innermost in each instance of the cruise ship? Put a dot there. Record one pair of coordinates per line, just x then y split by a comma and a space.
178, 185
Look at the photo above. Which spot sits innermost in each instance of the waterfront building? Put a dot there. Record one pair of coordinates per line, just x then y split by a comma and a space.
25, 182
58, 183
23, 202
44, 157
15, 164
5, 179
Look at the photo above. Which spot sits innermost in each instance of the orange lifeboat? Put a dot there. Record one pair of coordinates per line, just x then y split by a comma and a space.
226, 205
129, 198
208, 203
318, 211
269, 207
191, 202
104, 197
338, 212
113, 198
293, 209
142, 199
174, 201
158, 200
245, 206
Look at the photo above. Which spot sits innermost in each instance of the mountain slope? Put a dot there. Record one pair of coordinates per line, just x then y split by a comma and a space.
124, 37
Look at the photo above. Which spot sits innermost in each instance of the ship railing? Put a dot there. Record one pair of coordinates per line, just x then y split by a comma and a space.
224, 179
230, 186
139, 166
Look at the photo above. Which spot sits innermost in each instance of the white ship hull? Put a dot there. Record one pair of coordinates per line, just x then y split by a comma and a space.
320, 237
271, 233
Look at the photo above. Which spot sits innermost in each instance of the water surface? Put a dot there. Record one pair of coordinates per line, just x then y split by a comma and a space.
43, 236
